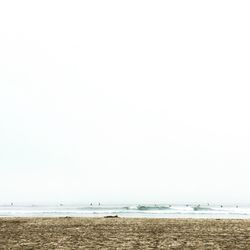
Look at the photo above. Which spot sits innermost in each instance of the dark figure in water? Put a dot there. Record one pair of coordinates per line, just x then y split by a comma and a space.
91, 204
99, 204
221, 206
11, 204
111, 216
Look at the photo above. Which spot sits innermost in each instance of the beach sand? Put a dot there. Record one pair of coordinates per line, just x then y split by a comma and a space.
121, 233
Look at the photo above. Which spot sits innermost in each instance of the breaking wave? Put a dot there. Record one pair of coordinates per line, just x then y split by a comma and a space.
199, 208
155, 207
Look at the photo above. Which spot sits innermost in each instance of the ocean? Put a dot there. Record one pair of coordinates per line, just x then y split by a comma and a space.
127, 210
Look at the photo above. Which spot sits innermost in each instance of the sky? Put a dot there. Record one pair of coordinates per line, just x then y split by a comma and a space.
124, 101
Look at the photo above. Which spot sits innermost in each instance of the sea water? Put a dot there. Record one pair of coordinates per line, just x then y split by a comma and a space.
127, 210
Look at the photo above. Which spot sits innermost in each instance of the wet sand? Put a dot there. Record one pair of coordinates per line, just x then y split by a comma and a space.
120, 233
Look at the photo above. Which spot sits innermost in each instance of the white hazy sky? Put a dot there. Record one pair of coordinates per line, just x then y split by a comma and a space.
124, 101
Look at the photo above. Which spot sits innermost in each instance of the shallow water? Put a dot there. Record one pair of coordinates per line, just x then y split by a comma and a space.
127, 210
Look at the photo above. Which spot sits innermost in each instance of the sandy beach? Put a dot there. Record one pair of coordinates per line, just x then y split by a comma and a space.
121, 233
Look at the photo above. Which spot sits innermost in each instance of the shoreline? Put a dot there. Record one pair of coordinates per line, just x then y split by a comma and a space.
123, 217
123, 233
